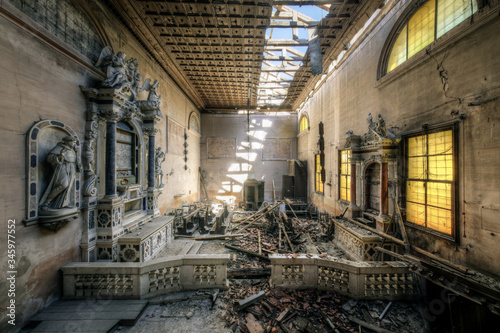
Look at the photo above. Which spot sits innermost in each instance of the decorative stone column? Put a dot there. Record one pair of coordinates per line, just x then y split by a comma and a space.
384, 190
110, 187
110, 208
153, 192
89, 190
355, 211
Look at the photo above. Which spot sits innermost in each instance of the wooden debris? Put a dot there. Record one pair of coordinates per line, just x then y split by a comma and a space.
249, 272
252, 325
367, 325
329, 322
282, 315
260, 246
246, 252
385, 311
217, 237
251, 300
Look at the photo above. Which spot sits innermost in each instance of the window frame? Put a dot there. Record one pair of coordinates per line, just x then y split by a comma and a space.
348, 163
450, 37
317, 175
304, 115
453, 236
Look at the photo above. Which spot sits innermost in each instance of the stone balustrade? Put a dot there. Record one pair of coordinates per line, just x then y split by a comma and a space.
117, 280
359, 280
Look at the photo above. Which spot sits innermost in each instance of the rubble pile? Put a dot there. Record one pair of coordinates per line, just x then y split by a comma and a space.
250, 306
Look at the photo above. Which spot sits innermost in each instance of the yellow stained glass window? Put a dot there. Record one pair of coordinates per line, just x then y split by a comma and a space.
345, 175
432, 19
451, 12
429, 184
421, 28
304, 124
319, 168
398, 53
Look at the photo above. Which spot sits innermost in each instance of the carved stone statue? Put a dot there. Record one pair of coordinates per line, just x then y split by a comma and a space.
153, 102
159, 159
381, 126
369, 121
116, 72
65, 164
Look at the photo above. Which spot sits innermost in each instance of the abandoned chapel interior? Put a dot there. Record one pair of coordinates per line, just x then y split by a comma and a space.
270, 165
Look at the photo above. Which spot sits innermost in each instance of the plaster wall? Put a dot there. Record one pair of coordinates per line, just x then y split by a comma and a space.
39, 82
409, 101
219, 171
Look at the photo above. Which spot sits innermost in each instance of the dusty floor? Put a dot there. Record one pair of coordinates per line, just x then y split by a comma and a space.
181, 317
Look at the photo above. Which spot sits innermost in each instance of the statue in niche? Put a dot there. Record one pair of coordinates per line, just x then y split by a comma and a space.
64, 160
159, 159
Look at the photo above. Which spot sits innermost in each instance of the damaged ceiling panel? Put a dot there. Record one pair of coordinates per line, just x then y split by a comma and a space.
222, 54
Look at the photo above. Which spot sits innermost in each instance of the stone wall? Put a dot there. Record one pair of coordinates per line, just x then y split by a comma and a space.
41, 79
412, 98
225, 158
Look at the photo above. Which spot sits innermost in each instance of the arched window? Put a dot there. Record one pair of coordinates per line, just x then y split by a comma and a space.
194, 124
430, 21
304, 124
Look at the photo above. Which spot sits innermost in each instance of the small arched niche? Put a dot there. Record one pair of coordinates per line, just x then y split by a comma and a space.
46, 138
372, 188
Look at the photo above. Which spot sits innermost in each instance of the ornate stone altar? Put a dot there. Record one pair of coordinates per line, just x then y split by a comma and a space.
373, 172
119, 188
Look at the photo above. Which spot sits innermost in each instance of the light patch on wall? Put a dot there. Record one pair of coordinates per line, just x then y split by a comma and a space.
229, 199
251, 157
239, 178
267, 123
260, 135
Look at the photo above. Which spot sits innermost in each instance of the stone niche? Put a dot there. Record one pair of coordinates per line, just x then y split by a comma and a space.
373, 173
53, 175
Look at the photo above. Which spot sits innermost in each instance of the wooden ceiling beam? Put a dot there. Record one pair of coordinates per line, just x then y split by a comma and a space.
287, 42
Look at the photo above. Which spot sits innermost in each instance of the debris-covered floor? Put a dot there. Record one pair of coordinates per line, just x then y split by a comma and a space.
250, 305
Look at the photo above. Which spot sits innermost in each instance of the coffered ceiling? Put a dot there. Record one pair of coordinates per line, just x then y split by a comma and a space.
217, 51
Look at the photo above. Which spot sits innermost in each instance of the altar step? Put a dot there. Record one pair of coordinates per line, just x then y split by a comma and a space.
92, 316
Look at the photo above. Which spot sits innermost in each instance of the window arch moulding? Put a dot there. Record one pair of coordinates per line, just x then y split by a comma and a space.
194, 123
481, 15
304, 123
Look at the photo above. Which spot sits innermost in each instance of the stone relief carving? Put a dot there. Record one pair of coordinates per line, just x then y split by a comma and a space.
159, 159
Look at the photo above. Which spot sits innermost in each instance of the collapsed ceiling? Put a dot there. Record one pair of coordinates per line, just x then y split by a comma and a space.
222, 53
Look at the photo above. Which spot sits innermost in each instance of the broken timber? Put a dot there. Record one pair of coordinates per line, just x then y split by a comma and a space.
246, 252
252, 299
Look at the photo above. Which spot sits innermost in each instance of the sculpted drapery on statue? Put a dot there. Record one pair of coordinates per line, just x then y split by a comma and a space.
65, 163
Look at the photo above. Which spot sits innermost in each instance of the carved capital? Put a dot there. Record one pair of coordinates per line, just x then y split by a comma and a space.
150, 131
110, 115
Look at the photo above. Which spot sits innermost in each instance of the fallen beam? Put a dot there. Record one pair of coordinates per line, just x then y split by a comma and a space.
370, 326
252, 299
249, 272
247, 252
412, 247
217, 237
